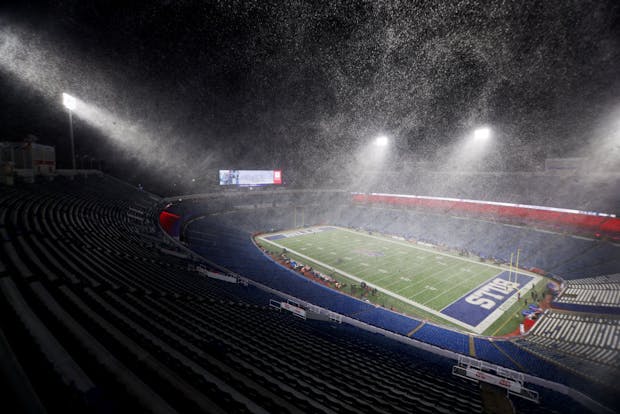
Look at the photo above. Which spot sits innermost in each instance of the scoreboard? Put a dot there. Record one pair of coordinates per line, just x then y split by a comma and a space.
250, 178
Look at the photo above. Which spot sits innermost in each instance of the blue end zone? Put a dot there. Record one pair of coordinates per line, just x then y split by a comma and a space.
300, 232
480, 302
276, 237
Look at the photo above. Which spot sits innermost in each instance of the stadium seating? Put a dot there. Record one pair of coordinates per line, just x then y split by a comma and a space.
591, 342
98, 320
555, 189
444, 338
600, 294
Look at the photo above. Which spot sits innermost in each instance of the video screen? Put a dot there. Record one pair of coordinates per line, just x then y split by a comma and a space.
250, 178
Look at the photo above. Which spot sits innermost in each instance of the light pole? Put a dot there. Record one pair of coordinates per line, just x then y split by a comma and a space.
70, 103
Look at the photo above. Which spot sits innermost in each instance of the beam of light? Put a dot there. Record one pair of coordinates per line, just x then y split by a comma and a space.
370, 162
32, 60
35, 60
471, 152
602, 147
69, 101
134, 138
159, 147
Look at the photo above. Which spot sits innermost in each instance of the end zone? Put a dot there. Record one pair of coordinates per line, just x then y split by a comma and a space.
481, 306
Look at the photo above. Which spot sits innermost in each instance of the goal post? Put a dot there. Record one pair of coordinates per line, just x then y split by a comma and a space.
510, 271
517, 266
299, 216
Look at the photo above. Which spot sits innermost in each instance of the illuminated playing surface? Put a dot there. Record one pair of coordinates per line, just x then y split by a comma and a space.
463, 291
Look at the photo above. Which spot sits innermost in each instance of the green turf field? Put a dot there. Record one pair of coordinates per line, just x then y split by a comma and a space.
422, 280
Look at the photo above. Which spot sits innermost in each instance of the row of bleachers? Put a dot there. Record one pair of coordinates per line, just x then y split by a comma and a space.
100, 321
599, 294
584, 336
587, 295
487, 350
444, 338
604, 281
593, 375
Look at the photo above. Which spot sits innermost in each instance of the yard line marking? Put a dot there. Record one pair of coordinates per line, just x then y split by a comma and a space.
418, 247
383, 270
434, 274
383, 278
383, 290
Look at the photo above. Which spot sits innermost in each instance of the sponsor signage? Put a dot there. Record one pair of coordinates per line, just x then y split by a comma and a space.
493, 379
293, 309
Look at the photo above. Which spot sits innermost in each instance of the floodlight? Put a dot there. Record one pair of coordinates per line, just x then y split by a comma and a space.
482, 133
69, 101
381, 141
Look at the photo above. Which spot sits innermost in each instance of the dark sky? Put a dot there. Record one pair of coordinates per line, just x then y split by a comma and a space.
302, 84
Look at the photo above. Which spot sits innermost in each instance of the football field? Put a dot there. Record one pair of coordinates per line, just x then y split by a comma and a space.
459, 290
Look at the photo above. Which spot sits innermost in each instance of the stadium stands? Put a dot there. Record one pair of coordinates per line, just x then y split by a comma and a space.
588, 192
600, 293
103, 318
98, 320
591, 342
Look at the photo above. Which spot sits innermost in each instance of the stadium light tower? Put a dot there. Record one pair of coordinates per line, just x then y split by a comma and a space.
70, 103
381, 141
482, 133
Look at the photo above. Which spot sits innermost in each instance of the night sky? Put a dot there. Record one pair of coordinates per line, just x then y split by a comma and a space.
302, 85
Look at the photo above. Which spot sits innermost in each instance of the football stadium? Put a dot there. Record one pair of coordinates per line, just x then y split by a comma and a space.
236, 208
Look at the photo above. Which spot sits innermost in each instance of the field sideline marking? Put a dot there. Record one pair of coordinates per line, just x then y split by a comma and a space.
379, 288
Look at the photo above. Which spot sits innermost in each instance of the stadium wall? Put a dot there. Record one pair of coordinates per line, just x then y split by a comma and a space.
592, 222
575, 307
170, 223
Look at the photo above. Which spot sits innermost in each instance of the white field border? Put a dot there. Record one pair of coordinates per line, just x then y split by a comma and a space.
484, 324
